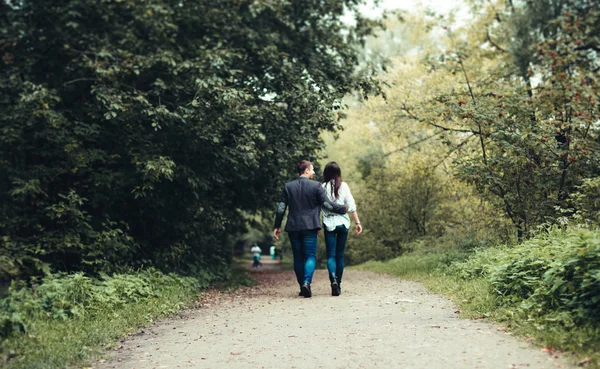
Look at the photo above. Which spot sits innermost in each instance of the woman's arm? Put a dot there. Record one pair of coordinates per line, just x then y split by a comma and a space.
349, 200
357, 222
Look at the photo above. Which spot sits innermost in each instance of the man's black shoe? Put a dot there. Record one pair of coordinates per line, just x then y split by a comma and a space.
305, 290
301, 293
335, 289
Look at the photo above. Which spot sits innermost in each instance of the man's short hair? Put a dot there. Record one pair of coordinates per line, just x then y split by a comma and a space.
303, 165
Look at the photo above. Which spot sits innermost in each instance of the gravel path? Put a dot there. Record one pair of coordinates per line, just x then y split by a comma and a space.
378, 322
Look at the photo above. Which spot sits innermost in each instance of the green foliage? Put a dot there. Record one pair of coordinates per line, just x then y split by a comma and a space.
410, 205
478, 265
139, 134
64, 318
515, 106
409, 265
62, 297
553, 277
533, 148
550, 283
587, 202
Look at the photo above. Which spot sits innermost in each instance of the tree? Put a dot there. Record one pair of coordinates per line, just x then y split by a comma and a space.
536, 147
138, 133
407, 193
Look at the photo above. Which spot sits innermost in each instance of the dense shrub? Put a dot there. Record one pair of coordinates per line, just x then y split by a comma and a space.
586, 202
61, 297
552, 277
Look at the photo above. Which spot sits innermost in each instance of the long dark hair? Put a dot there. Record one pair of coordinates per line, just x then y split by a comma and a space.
333, 174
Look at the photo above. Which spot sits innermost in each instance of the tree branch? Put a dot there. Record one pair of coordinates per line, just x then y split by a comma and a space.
489, 39
411, 115
464, 70
453, 150
412, 144
78, 80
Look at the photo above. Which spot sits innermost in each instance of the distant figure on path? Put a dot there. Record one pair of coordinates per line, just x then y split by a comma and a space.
256, 251
273, 251
336, 226
304, 198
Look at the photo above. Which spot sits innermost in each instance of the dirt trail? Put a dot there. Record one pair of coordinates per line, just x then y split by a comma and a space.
378, 321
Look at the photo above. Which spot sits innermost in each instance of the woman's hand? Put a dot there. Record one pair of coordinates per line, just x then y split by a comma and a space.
358, 229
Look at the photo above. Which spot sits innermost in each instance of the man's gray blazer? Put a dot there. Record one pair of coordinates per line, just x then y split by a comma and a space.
304, 197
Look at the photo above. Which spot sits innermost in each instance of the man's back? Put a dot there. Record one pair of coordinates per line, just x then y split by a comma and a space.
304, 198
303, 203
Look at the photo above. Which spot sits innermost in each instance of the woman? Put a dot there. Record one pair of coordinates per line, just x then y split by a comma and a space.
335, 225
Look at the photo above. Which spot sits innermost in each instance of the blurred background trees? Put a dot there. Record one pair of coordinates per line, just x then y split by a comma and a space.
488, 129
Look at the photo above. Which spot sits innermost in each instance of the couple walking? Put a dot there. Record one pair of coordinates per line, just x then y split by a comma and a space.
305, 197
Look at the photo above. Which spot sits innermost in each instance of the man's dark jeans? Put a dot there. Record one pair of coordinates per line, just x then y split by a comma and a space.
336, 245
304, 248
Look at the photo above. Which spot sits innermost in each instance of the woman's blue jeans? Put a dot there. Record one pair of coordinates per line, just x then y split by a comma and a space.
336, 245
304, 248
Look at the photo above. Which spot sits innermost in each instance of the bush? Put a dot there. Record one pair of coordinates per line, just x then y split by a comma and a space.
586, 202
63, 319
552, 277
62, 297
480, 264
555, 276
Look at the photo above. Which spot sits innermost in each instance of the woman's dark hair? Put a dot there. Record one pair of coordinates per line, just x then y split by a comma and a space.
333, 174
302, 166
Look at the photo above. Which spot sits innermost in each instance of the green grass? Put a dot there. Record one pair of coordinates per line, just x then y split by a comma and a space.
51, 343
475, 299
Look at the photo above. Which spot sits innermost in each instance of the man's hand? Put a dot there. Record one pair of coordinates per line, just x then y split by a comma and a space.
277, 233
358, 229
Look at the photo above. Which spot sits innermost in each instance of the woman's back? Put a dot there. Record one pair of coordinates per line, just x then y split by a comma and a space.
331, 219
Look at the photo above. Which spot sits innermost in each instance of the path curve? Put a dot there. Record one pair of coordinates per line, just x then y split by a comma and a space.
379, 321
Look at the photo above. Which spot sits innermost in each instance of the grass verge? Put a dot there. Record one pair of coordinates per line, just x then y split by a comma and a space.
61, 328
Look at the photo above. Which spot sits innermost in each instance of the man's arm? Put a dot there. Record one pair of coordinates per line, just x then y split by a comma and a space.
328, 204
279, 213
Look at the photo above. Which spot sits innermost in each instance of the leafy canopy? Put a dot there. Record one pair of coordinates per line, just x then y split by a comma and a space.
141, 132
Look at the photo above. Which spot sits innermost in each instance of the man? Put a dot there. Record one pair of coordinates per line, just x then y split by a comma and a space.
304, 198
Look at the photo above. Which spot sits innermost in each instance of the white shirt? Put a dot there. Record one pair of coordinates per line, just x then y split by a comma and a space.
331, 219
255, 250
